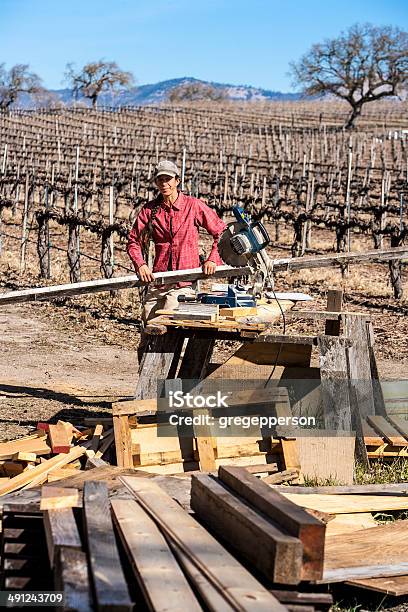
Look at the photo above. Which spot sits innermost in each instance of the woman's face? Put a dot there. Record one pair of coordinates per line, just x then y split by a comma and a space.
167, 185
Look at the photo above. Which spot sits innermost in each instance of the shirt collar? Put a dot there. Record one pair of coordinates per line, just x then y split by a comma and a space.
179, 203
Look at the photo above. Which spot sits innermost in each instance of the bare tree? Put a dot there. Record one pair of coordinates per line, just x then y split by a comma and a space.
15, 81
96, 78
189, 92
363, 64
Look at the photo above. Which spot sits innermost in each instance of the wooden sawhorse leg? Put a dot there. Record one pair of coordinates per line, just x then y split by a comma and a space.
159, 362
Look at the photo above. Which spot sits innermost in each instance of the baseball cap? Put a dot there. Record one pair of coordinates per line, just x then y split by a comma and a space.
166, 167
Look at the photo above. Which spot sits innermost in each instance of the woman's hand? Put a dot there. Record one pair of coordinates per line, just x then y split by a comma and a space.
209, 267
145, 274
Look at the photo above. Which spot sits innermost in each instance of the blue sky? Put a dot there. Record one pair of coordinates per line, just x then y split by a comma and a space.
229, 41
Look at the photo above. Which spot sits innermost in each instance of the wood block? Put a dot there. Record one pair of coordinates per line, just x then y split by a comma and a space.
53, 498
59, 438
296, 521
123, 441
334, 304
109, 583
24, 456
271, 550
240, 311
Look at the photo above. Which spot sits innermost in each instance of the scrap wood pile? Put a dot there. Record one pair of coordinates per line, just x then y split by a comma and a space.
52, 452
241, 545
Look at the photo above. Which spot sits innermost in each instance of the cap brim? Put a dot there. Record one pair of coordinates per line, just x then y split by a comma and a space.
166, 173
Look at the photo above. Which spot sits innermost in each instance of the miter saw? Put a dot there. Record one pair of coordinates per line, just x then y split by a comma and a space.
242, 244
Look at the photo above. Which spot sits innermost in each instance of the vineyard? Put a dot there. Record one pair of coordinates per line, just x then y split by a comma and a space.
84, 174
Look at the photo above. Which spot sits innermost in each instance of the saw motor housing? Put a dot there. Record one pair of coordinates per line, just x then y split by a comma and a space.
243, 244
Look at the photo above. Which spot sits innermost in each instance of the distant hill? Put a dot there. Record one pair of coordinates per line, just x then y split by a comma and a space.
157, 93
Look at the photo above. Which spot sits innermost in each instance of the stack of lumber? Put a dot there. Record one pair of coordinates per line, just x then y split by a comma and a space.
52, 452
140, 548
358, 548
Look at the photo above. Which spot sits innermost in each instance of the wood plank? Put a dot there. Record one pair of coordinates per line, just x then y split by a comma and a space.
270, 549
400, 424
211, 597
345, 504
348, 523
96, 438
396, 586
59, 438
95, 462
334, 383
71, 577
60, 530
109, 583
294, 597
296, 521
159, 576
266, 354
231, 580
371, 437
334, 304
205, 444
123, 441
377, 489
53, 498
360, 383
385, 429
41, 470
108, 440
61, 474
238, 398
30, 445
171, 277
371, 553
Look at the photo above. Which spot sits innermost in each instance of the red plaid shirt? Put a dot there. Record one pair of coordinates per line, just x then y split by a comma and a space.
175, 234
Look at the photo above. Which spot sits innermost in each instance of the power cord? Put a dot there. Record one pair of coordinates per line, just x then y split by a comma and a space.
272, 284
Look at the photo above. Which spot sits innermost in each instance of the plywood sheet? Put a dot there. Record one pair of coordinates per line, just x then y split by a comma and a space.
346, 504
327, 457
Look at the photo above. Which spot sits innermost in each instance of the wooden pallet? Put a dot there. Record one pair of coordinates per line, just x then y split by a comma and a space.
141, 441
386, 437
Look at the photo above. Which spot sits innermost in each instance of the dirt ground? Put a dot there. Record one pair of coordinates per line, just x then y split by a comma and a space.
72, 358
